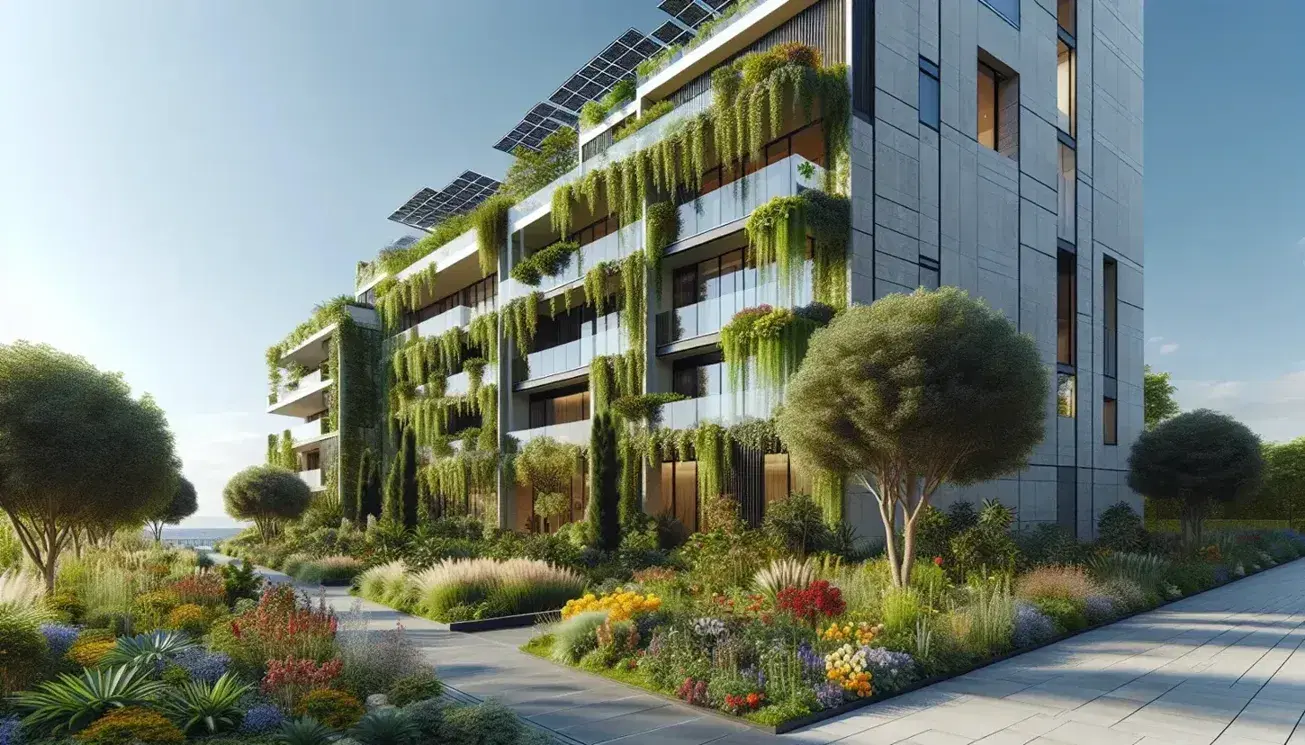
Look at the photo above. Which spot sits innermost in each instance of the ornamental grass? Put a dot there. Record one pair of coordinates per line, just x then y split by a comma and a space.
456, 589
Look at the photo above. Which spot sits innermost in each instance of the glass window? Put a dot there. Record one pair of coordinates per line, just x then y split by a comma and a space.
987, 132
731, 266
709, 278
1066, 88
1110, 282
1009, 10
1066, 16
1066, 395
1110, 421
929, 94
710, 181
1067, 195
684, 286
863, 58
1066, 303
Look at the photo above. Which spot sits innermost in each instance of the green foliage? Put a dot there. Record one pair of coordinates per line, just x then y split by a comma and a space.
1120, 528
777, 237
575, 637
797, 523
1283, 489
482, 333
22, 649
387, 726
207, 707
335, 709
603, 511
547, 466
418, 686
551, 504
947, 372
990, 619
131, 725
546, 262
521, 318
76, 451
487, 723
148, 649
613, 377
239, 581
490, 221
1157, 398
1195, 460
533, 170
777, 338
1147, 571
183, 504
662, 222
649, 115
266, 495
1066, 613
304, 731
594, 112
71, 702
408, 475
645, 407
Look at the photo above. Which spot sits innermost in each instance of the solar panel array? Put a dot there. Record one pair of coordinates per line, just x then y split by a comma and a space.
617, 62
428, 207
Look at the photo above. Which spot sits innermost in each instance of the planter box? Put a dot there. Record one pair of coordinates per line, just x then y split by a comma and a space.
506, 622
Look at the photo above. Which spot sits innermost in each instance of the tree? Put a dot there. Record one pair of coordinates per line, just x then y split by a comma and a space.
267, 495
287, 457
912, 393
1282, 493
369, 502
603, 511
76, 450
1158, 402
532, 171
354, 503
183, 504
1195, 460
393, 507
410, 493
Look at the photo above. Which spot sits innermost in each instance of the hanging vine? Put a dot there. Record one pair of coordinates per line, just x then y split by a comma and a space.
634, 309
522, 320
490, 220
596, 284
546, 262
777, 238
663, 229
482, 333
776, 338
615, 376
829, 219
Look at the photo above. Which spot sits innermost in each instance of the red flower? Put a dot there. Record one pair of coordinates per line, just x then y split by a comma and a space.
937, 561
819, 599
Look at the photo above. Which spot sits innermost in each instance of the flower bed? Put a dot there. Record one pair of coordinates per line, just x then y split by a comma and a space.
833, 635
458, 590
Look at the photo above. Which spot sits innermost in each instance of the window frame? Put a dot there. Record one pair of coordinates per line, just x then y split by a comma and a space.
930, 71
996, 79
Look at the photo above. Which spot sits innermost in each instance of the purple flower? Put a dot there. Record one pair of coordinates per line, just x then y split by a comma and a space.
1032, 626
810, 659
202, 664
59, 638
888, 669
261, 718
11, 731
829, 694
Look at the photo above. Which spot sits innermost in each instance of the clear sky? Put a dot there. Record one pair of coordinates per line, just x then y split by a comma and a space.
181, 181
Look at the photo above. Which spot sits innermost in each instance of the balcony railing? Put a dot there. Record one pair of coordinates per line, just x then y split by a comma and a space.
727, 408
458, 317
460, 383
708, 316
313, 478
708, 30
577, 355
613, 247
309, 382
309, 431
735, 201
576, 433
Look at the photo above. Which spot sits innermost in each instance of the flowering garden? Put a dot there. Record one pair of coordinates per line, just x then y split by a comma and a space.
156, 646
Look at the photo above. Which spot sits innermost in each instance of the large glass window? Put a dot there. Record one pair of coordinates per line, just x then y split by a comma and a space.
1066, 303
929, 94
479, 297
1067, 195
697, 377
863, 58
987, 132
1066, 88
559, 408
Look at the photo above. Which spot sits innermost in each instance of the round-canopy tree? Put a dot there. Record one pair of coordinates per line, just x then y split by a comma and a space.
1196, 459
76, 450
266, 495
911, 393
182, 505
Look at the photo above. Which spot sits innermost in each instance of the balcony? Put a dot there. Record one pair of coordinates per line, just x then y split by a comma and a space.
313, 478
576, 355
303, 399
310, 433
708, 316
454, 318
613, 247
460, 384
576, 433
724, 409
735, 201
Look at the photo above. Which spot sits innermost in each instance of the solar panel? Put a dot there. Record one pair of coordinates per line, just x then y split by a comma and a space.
692, 16
428, 207
674, 7
717, 5
617, 61
671, 33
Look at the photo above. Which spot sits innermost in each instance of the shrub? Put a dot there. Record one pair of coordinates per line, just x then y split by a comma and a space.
498, 584
933, 533
240, 581
620, 604
59, 638
289, 679
576, 636
1192, 577
66, 606
372, 662
782, 573
810, 604
428, 717
22, 649
1147, 571
1099, 608
388, 584
415, 687
207, 707
797, 523
335, 709
488, 723
1031, 626
1062, 582
332, 570
294, 562
260, 719
1127, 594
304, 731
188, 618
129, 726
71, 703
11, 731
385, 727
280, 627
1067, 613
1048, 544
90, 650
201, 664
1120, 528
900, 609
891, 671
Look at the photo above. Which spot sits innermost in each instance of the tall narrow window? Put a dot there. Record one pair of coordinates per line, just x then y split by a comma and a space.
1109, 421
1066, 88
1066, 302
987, 132
1110, 315
863, 58
1067, 195
1066, 395
1066, 16
929, 94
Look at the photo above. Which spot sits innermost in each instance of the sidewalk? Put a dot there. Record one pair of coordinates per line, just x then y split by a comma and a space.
1223, 667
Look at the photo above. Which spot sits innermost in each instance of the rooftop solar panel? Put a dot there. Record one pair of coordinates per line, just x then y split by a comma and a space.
428, 207
670, 33
717, 5
674, 7
692, 16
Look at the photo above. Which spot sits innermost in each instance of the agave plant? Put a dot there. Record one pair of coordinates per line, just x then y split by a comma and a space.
148, 650
784, 573
210, 707
304, 731
385, 727
71, 702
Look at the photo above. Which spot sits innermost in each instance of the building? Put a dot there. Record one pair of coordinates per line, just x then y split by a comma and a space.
994, 145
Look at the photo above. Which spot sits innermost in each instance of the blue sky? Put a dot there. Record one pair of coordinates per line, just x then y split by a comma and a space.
180, 182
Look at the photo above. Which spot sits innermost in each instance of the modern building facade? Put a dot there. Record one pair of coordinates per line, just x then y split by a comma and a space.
993, 145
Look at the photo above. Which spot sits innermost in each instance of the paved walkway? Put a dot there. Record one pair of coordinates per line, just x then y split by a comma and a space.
1224, 667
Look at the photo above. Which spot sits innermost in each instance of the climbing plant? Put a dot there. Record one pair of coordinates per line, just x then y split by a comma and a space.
490, 220
634, 308
521, 318
774, 338
777, 238
595, 284
482, 333
663, 228
546, 262
355, 400
614, 376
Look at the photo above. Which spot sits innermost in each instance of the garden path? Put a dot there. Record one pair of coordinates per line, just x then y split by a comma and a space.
1223, 667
